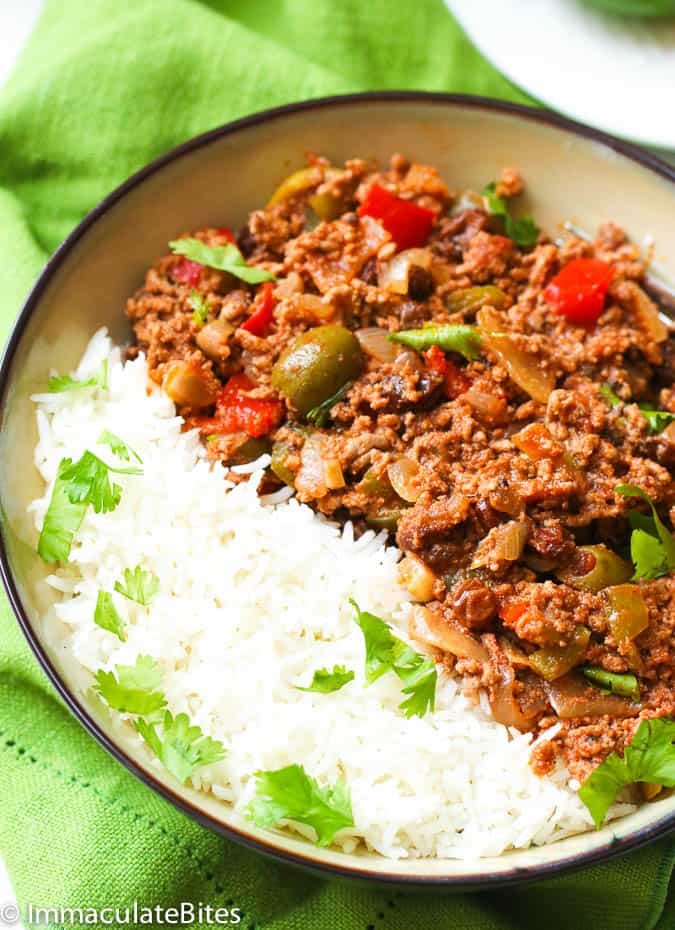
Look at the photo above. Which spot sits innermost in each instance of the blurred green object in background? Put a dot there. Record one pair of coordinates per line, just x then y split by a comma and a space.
645, 9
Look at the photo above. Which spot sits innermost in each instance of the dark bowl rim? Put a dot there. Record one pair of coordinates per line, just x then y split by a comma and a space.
478, 880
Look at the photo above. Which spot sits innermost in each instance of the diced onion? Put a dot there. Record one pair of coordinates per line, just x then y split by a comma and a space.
291, 284
428, 627
502, 698
523, 368
402, 474
503, 703
647, 313
375, 342
394, 275
332, 474
511, 540
506, 500
504, 543
486, 405
311, 480
571, 697
316, 306
417, 578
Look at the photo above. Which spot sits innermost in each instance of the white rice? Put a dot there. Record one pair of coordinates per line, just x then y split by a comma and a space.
254, 598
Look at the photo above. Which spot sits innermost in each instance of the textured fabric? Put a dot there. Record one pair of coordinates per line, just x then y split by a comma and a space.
102, 88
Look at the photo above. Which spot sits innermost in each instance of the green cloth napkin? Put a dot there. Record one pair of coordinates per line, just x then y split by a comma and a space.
103, 87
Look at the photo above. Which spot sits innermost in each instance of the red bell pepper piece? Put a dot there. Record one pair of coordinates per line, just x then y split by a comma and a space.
578, 291
226, 232
512, 612
187, 272
260, 320
407, 223
455, 381
237, 412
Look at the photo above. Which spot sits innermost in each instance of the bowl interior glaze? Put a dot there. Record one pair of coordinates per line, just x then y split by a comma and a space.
571, 174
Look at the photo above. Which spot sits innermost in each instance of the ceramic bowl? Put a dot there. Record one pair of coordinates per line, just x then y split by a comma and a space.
573, 173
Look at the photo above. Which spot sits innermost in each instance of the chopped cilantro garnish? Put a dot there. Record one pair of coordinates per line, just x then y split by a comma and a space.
60, 383
652, 545
524, 231
77, 485
62, 520
658, 420
326, 682
118, 447
320, 415
612, 399
291, 794
199, 306
181, 747
385, 652
222, 257
649, 757
135, 689
139, 585
87, 480
107, 617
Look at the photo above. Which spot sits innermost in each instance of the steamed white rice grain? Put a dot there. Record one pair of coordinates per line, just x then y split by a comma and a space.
254, 597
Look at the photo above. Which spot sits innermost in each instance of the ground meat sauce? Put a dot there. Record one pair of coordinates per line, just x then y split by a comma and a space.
496, 473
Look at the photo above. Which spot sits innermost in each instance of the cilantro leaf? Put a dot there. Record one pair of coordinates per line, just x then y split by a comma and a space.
199, 306
62, 520
139, 585
385, 652
77, 485
291, 794
326, 682
134, 690
524, 231
87, 480
107, 617
320, 415
612, 399
60, 383
649, 757
182, 747
652, 545
420, 683
117, 446
380, 643
222, 257
658, 420
647, 555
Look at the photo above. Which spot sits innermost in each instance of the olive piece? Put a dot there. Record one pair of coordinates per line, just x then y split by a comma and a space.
188, 385
595, 568
316, 365
282, 453
250, 450
213, 339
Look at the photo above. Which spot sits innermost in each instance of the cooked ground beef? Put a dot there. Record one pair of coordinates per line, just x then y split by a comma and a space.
496, 470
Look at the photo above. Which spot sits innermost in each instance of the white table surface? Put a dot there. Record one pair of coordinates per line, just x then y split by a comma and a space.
16, 21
